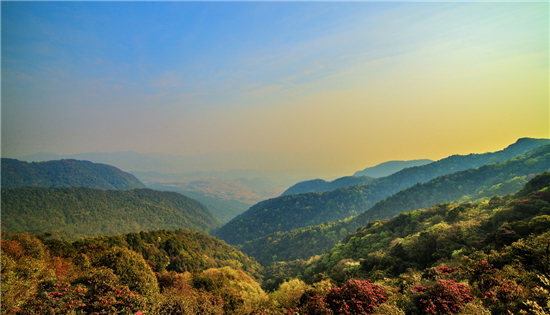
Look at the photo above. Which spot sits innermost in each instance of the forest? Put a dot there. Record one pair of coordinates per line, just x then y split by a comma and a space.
291, 217
73, 212
489, 257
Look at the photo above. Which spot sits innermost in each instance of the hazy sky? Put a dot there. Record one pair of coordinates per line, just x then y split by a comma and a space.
337, 86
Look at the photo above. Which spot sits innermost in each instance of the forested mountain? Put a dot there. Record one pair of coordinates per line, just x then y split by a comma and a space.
494, 179
77, 211
475, 258
390, 167
482, 181
320, 185
421, 238
65, 173
294, 211
486, 258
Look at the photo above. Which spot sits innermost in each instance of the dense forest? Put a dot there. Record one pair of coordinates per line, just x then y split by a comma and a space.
290, 212
496, 179
489, 257
77, 212
65, 173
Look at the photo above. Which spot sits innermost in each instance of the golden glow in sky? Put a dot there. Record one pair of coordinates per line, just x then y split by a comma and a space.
330, 86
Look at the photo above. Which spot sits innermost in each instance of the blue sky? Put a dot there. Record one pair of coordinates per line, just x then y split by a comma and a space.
347, 85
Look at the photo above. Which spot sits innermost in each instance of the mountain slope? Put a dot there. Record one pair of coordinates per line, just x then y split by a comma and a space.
294, 211
454, 186
65, 173
508, 177
420, 238
320, 185
390, 167
78, 212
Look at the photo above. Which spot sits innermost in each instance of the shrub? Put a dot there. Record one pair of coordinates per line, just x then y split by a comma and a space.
355, 297
288, 294
132, 270
240, 293
446, 297
99, 292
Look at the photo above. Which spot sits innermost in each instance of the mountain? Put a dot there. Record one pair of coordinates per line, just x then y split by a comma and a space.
290, 212
420, 238
497, 179
464, 183
320, 185
65, 173
77, 211
360, 177
390, 167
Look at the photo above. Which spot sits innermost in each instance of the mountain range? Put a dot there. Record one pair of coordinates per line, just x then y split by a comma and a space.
294, 211
496, 179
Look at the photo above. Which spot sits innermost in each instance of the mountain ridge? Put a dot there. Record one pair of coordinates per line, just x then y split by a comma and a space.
65, 173
387, 168
294, 211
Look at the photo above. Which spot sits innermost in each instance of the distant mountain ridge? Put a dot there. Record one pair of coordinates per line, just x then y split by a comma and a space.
81, 212
320, 185
390, 167
359, 178
290, 212
66, 173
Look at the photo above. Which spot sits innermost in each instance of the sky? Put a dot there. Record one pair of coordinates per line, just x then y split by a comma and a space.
330, 86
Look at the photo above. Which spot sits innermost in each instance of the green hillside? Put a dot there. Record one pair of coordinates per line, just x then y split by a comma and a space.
422, 238
290, 212
65, 173
481, 183
475, 258
77, 211
475, 182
